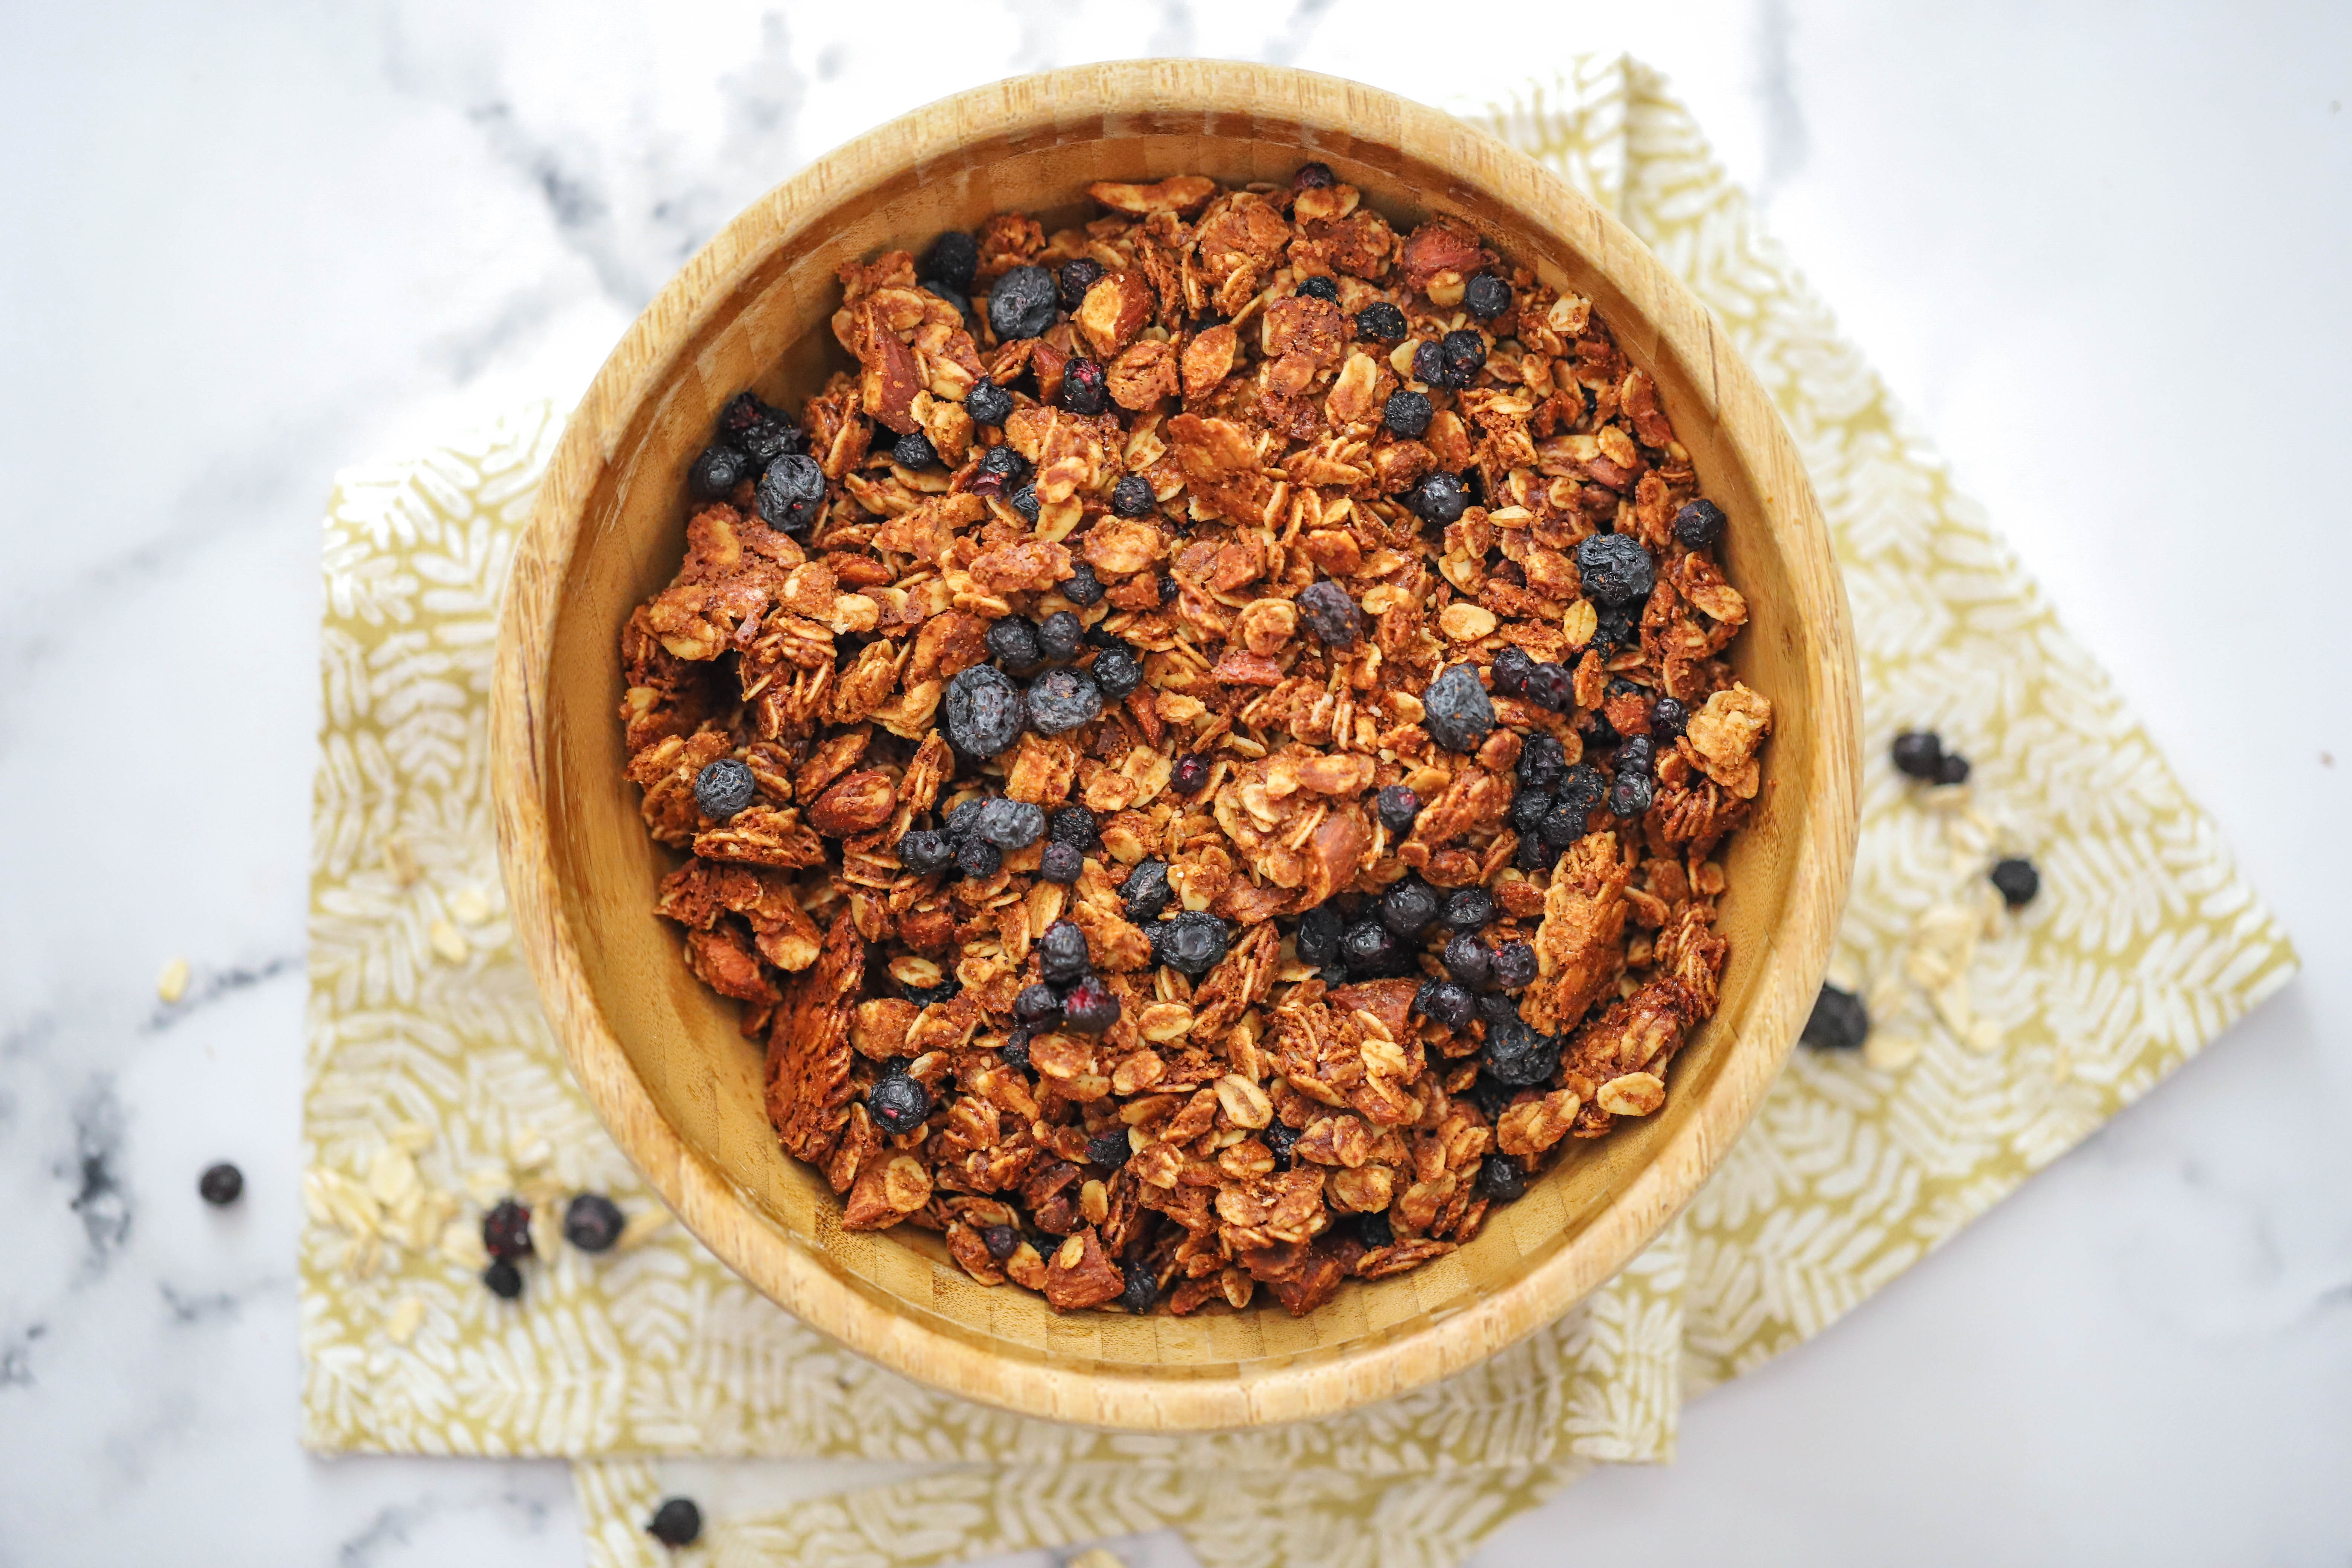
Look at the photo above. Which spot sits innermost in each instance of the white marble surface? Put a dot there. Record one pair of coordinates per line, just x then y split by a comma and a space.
2097, 249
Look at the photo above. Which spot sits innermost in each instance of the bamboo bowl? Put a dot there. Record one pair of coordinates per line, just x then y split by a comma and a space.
659, 1054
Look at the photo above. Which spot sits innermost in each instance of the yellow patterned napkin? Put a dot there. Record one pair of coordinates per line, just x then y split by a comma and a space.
2001, 1040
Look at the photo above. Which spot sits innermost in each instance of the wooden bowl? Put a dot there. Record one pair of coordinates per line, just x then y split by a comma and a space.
659, 1054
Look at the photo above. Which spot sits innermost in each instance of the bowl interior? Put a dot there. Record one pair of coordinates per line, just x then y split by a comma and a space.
761, 321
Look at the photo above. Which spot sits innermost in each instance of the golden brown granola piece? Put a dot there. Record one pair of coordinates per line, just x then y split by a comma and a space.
763, 835
887, 1191
666, 771
1579, 946
1183, 194
1082, 1274
808, 1087
1724, 735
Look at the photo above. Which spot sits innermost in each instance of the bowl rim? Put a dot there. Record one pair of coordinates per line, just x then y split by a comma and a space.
795, 1275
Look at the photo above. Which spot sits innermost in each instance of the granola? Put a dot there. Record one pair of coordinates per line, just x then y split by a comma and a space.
1201, 758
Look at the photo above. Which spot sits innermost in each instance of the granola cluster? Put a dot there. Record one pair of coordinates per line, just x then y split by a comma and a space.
1200, 759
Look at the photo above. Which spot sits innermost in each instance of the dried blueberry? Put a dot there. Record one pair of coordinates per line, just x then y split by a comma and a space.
2018, 882
1469, 961
504, 1280
1003, 465
1115, 671
1015, 1050
1528, 810
1058, 634
1501, 1179
1083, 388
1368, 948
1382, 323
1141, 1291
1465, 355
1075, 278
1616, 628
1193, 944
953, 258
1616, 570
1952, 770
1168, 590
1109, 1148
1565, 824
1636, 754
1025, 501
1469, 908
1001, 1241
1145, 892
1439, 498
1132, 497
1429, 364
1668, 717
1549, 687
1061, 864
914, 451
790, 492
953, 296
1320, 288
1455, 709
1509, 671
1398, 807
717, 472
1013, 642
1084, 588
1580, 792
1037, 1003
1073, 825
1513, 966
1496, 1008
1599, 734
1062, 956
677, 1522
1631, 793
1534, 855
1444, 1002
984, 711
1699, 524
745, 423
988, 404
592, 1222
964, 818
977, 857
1316, 177
1089, 1008
1330, 613
1374, 1231
897, 1103
1190, 776
505, 1230
1518, 1057
1021, 303
1409, 908
1281, 1138
1541, 759
1485, 297
1320, 930
1839, 1021
1062, 700
1918, 753
221, 1185
1406, 414
1010, 824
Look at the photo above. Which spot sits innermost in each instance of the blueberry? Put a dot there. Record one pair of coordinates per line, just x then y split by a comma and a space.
1168, 590
1330, 614
1320, 288
1509, 671
1668, 717
1494, 1007
1015, 1050
505, 1230
1375, 1231
1145, 892
914, 451
897, 1103
677, 1522
1001, 1241
504, 1280
988, 404
1010, 824
1542, 762
1021, 303
1083, 388
1409, 908
953, 258
1699, 524
1003, 465
1444, 1002
1918, 753
790, 492
1193, 944
1952, 770
1190, 776
1469, 961
1132, 497
1549, 687
1839, 1021
1318, 935
1111, 1148
1616, 628
1075, 278
1073, 825
1062, 956
1501, 1179
1599, 734
1013, 642
1062, 700
978, 859
221, 1185
1036, 1003
1455, 709
1398, 807
592, 1222
1580, 792
1439, 498
1084, 588
1115, 671
1528, 809
1518, 1057
984, 711
1281, 1138
2018, 882
1317, 176
1465, 355
1487, 297
1060, 634
760, 433
1089, 1008
1025, 501
1429, 365
1367, 947
1513, 966
1142, 1289
1382, 323
1616, 568
1407, 414
1631, 793
717, 472
1061, 864
963, 819
1534, 855
1469, 908
1636, 754
953, 296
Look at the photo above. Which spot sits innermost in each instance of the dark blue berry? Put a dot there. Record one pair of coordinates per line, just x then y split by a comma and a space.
1015, 1050
1501, 1179
1636, 754
1142, 1289
1083, 388
1145, 892
1168, 590
1455, 709
1528, 809
1580, 792
1281, 1138
1541, 761
1485, 297
897, 1103
1089, 1008
1330, 614
504, 1280
1465, 353
1699, 524
1319, 930
1616, 570
984, 711
724, 788
1132, 497
953, 296
1918, 753
1314, 176
963, 819
760, 433
1374, 1231
924, 851
1631, 793
1839, 1021
1320, 288
977, 859
592, 1222
1021, 304
987, 403
1409, 908
1075, 278
1407, 414
221, 1185
1062, 700
1509, 671
1111, 1148
953, 258
505, 1230
1036, 1003
1952, 770
1518, 1057
1368, 948
1439, 498
1470, 908
1013, 641
1398, 807
1193, 944
2018, 882
1003, 465
1496, 1008
1075, 825
914, 451
1668, 717
1060, 634
717, 472
677, 1522
1534, 855
1429, 365
790, 492
1010, 824
1190, 776
1001, 1241
1061, 863
1025, 501
1469, 961
1549, 687
1115, 671
1382, 323
1444, 1002
1513, 966
1062, 956
1084, 588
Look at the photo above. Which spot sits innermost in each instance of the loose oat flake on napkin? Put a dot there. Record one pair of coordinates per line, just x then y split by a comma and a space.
2001, 1039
